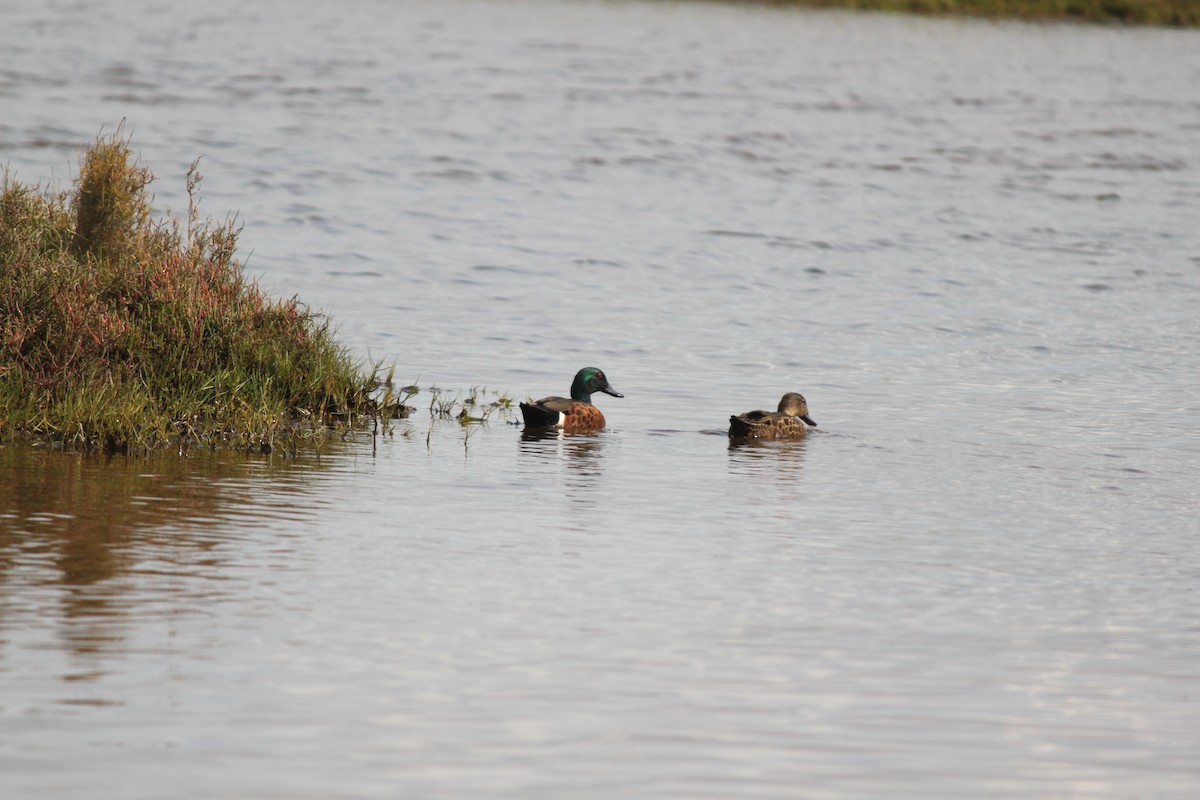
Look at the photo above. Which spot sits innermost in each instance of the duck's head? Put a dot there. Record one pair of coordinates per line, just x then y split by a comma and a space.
794, 405
588, 380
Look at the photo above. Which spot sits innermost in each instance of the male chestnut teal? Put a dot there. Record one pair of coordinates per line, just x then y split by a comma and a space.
573, 413
786, 423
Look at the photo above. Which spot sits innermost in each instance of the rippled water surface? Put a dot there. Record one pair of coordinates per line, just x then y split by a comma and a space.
971, 244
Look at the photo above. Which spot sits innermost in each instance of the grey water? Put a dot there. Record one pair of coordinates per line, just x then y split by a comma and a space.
972, 245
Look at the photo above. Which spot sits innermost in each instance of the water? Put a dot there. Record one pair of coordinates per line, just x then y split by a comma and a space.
970, 244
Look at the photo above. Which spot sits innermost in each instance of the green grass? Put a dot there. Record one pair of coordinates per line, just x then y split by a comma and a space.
118, 330
1182, 13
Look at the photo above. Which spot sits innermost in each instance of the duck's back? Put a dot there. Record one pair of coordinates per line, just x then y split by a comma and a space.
765, 425
562, 412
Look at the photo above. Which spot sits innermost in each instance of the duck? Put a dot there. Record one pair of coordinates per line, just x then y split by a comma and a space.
575, 412
786, 423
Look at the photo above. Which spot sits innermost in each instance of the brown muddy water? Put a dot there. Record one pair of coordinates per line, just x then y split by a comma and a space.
972, 245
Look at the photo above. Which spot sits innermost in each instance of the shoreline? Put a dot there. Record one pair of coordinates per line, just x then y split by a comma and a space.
1159, 13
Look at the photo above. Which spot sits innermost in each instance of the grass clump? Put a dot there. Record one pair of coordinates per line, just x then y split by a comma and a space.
118, 330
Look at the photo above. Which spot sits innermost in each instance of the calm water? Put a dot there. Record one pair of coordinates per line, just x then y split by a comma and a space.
972, 245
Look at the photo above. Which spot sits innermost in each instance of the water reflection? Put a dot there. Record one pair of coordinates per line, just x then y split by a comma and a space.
579, 449
768, 462
83, 538
581, 452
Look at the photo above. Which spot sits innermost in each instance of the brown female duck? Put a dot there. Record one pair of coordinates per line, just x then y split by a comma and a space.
786, 423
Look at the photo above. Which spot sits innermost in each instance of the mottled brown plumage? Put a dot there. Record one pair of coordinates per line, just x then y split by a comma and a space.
786, 423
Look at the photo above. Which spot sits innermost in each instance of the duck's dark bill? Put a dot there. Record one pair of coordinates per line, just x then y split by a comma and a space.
612, 391
808, 419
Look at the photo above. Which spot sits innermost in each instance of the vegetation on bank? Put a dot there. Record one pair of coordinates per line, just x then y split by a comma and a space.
1184, 13
118, 330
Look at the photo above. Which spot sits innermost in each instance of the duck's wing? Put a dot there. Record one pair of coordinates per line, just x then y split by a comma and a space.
546, 412
553, 403
748, 424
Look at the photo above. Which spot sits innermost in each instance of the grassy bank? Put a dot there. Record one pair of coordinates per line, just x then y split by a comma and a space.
1185, 13
118, 330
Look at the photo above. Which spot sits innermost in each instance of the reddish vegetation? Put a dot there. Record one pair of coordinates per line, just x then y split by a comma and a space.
118, 329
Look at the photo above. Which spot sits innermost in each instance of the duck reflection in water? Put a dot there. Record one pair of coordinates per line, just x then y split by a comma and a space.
765, 463
580, 450
545, 452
